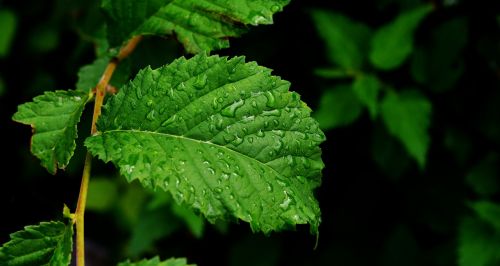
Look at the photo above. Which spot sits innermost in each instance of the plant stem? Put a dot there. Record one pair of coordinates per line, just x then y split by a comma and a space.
100, 93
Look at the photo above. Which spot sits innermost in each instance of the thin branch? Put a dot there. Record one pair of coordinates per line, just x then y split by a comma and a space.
100, 94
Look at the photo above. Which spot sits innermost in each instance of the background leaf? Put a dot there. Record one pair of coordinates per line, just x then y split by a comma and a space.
53, 117
338, 107
367, 88
225, 137
156, 262
478, 244
198, 25
9, 23
49, 243
346, 41
393, 43
407, 117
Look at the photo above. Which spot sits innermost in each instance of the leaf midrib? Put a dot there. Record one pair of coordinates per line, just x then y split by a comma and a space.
193, 140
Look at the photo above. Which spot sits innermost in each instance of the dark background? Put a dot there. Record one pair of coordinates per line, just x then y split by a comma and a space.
371, 215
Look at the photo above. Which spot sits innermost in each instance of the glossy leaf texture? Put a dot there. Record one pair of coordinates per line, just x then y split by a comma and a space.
156, 262
54, 117
223, 136
198, 25
393, 43
407, 116
49, 243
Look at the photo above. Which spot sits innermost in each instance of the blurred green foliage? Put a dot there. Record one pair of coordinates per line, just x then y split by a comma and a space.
408, 92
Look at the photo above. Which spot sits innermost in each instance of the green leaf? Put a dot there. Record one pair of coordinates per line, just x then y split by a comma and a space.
338, 107
223, 136
488, 212
346, 41
9, 23
89, 75
478, 245
193, 221
53, 117
407, 117
393, 43
483, 177
198, 25
367, 88
102, 194
156, 262
49, 243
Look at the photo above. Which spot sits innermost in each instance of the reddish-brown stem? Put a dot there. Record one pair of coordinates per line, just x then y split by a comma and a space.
100, 94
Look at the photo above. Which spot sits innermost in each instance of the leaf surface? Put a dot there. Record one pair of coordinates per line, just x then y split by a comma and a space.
393, 43
53, 117
477, 244
198, 25
49, 243
407, 117
223, 136
156, 262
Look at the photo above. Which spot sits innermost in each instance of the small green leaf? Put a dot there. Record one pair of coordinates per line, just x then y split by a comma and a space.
53, 117
407, 117
198, 25
483, 177
393, 43
49, 243
9, 23
156, 262
488, 212
367, 88
346, 41
478, 245
338, 107
89, 75
223, 136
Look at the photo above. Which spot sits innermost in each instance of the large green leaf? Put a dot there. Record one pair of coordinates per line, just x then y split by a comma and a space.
346, 41
156, 262
407, 117
53, 116
223, 136
338, 107
199, 25
49, 243
393, 43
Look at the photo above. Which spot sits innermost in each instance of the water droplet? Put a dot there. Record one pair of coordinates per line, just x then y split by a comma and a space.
200, 82
250, 139
254, 104
182, 162
77, 98
218, 190
248, 119
274, 112
219, 124
211, 170
230, 111
286, 201
225, 176
271, 153
215, 104
237, 141
271, 101
138, 92
269, 187
191, 188
181, 86
260, 133
128, 168
276, 122
275, 8
169, 121
150, 103
151, 115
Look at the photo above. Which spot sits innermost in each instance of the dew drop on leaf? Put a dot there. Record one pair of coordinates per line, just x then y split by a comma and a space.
230, 111
151, 115
274, 112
